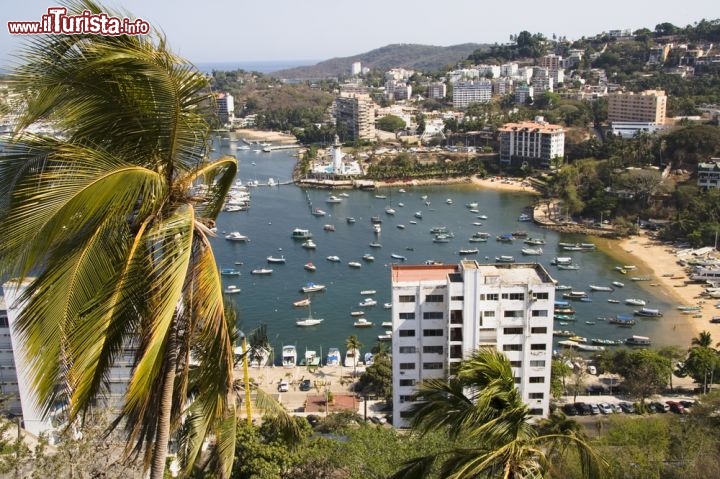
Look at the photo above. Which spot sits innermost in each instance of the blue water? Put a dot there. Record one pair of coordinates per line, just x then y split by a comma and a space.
253, 66
276, 211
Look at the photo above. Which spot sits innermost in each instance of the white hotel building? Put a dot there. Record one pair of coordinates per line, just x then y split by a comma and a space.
442, 313
466, 93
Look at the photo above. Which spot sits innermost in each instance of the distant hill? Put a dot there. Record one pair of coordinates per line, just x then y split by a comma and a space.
425, 58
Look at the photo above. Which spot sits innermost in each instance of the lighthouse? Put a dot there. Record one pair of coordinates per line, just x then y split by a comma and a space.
337, 156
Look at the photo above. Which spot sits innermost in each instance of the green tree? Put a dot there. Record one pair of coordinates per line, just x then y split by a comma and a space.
481, 404
106, 221
377, 378
703, 365
645, 371
352, 342
702, 340
391, 123
560, 370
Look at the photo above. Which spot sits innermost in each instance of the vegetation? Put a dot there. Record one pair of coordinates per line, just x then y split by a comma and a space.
119, 252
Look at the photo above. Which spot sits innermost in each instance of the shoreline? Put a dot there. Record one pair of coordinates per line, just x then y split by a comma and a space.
660, 262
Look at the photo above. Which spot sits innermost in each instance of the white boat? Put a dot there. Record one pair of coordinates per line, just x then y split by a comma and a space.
366, 292
387, 305
309, 321
648, 312
367, 302
389, 211
375, 245
449, 201
468, 251
333, 357
418, 214
301, 234
377, 228
524, 217
354, 264
595, 287
387, 336
380, 197
569, 267
230, 272
232, 289
369, 360
329, 227
561, 260
309, 244
368, 257
333, 199
333, 259
310, 267
638, 341
575, 295
344, 195
318, 212
236, 236
635, 302
401, 227
472, 205
352, 358
271, 181
505, 259
302, 303
261, 271
386, 324
312, 287
357, 313
398, 257
618, 284
274, 259
362, 323
532, 251
289, 356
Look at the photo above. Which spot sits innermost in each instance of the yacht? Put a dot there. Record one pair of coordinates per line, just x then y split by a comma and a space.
230, 272
368, 257
389, 211
275, 259
352, 358
232, 289
350, 220
333, 357
329, 227
309, 321
312, 287
635, 302
236, 236
289, 356
367, 292
310, 267
318, 212
377, 228
301, 234
309, 244
261, 271
355, 264
362, 323
333, 259
333, 199
367, 302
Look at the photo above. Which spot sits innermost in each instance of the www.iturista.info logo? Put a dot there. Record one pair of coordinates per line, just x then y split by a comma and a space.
57, 21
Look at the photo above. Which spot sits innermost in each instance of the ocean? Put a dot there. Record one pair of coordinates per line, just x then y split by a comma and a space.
276, 211
253, 66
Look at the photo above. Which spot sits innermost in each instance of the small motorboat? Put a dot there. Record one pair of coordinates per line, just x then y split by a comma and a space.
355, 264
273, 259
398, 256
310, 267
302, 303
232, 289
333, 259
261, 271
368, 257
367, 302
362, 323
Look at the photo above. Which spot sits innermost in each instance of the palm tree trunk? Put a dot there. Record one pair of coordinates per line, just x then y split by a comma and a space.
159, 457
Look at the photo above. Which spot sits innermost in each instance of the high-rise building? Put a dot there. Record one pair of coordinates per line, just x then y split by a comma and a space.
225, 108
466, 93
437, 90
442, 313
537, 143
648, 106
8, 375
355, 117
356, 68
524, 93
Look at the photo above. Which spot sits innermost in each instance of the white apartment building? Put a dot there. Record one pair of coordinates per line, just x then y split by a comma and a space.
356, 68
8, 376
225, 108
355, 116
508, 69
465, 93
502, 86
442, 313
708, 174
535, 142
437, 90
523, 92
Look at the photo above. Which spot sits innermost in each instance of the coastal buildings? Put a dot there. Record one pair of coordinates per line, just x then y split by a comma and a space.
630, 113
8, 376
708, 174
537, 143
441, 313
225, 108
437, 90
468, 92
355, 116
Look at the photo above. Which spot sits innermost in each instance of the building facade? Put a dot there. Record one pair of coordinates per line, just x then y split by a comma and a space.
355, 117
466, 93
225, 108
648, 106
708, 174
536, 142
8, 376
442, 313
437, 91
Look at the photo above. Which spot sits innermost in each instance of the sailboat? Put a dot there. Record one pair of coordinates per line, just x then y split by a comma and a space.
309, 321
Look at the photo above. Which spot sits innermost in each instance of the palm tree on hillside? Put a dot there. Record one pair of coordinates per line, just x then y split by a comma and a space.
111, 239
353, 343
488, 427
702, 340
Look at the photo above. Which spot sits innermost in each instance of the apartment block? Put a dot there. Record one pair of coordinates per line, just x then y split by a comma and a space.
8, 376
708, 174
524, 93
442, 313
536, 143
437, 90
648, 106
225, 108
465, 93
355, 117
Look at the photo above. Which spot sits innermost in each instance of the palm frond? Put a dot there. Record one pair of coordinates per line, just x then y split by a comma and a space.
219, 176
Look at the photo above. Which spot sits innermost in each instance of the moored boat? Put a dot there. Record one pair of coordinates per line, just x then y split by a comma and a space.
354, 264
638, 341
232, 289
310, 267
366, 292
333, 259
367, 302
532, 251
236, 236
261, 271
230, 272
505, 259
333, 357
648, 313
362, 323
352, 358
301, 234
289, 356
312, 287
302, 302
398, 256
635, 302
309, 244
595, 287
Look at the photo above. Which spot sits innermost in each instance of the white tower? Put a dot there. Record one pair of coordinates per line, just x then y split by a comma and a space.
337, 156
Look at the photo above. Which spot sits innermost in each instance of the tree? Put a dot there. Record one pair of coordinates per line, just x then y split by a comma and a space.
702, 364
645, 371
560, 370
482, 406
702, 340
112, 241
391, 123
377, 378
352, 342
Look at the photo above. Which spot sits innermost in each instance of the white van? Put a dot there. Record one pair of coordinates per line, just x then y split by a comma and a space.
283, 386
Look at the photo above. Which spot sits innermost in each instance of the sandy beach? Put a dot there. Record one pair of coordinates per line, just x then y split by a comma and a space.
492, 183
667, 277
262, 135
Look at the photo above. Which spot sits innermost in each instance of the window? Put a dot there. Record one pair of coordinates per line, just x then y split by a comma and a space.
434, 298
537, 379
536, 395
535, 412
432, 349
491, 297
407, 349
512, 330
407, 333
541, 296
517, 296
538, 363
406, 299
512, 347
517, 380
539, 313
407, 366
405, 398
432, 332
456, 352
406, 414
457, 298
407, 382
538, 330
516, 364
456, 334
435, 365
513, 314
433, 315
488, 314
407, 316
538, 347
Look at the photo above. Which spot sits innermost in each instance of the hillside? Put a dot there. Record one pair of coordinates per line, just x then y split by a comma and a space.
426, 58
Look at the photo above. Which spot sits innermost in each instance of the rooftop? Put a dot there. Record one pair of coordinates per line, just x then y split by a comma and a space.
409, 273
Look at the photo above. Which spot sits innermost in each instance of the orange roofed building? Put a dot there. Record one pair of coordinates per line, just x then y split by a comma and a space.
535, 143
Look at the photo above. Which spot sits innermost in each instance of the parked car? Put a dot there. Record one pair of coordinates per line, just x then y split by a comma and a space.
283, 386
569, 410
305, 385
616, 408
659, 407
676, 407
605, 408
583, 409
627, 408
594, 409
686, 404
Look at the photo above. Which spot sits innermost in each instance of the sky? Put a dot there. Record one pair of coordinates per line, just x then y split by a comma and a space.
274, 30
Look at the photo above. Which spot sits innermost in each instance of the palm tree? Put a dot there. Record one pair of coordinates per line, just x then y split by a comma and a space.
702, 340
488, 425
111, 239
352, 342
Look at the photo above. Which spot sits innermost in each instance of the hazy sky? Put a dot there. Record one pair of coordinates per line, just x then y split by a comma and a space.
241, 30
